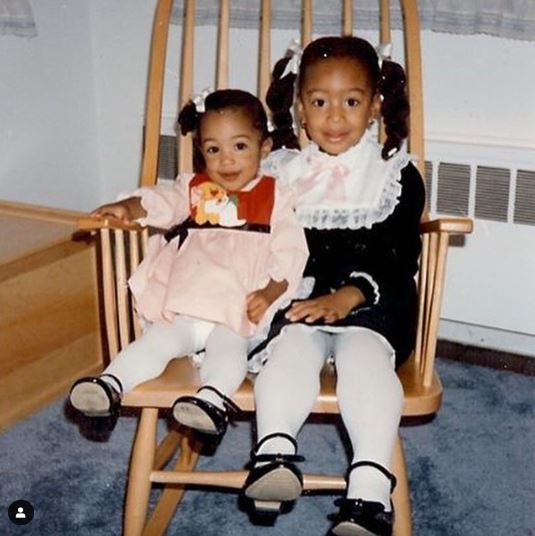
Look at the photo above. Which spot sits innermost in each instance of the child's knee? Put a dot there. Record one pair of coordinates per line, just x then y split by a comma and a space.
365, 347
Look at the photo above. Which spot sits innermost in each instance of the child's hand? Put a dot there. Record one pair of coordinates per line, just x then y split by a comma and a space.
330, 307
257, 304
259, 300
127, 210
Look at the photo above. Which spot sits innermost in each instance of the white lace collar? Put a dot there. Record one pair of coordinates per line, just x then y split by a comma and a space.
348, 191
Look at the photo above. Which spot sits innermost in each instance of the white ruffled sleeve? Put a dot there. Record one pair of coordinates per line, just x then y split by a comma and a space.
166, 204
275, 161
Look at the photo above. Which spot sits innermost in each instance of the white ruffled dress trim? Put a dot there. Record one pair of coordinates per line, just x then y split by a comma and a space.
355, 218
371, 281
372, 185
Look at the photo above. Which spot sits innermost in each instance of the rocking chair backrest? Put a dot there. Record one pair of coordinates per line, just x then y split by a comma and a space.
122, 247
159, 49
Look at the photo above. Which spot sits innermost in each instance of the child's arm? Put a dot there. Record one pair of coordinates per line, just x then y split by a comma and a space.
259, 300
287, 259
127, 210
161, 205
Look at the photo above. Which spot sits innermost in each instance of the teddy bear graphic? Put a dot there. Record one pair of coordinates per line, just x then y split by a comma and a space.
212, 204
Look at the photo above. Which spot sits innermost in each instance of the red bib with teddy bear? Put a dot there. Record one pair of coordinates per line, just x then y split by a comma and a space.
211, 205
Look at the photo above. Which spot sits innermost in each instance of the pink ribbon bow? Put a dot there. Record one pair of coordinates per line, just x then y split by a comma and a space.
332, 174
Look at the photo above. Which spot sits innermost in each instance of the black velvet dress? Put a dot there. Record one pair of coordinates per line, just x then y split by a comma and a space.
381, 261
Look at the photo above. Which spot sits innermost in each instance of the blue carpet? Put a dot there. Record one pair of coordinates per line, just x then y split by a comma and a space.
471, 469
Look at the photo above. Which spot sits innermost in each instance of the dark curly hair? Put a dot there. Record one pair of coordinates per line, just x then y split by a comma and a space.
389, 81
190, 120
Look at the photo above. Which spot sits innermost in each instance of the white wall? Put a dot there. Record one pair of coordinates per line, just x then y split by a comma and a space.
479, 90
121, 32
489, 295
48, 136
72, 113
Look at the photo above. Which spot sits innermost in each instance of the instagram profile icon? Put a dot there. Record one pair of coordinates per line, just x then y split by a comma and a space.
20, 512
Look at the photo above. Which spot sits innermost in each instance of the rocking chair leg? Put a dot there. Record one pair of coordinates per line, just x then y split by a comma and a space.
172, 494
167, 449
141, 464
401, 496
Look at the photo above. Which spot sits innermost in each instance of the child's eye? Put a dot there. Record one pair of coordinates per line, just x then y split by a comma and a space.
318, 103
241, 146
352, 102
212, 149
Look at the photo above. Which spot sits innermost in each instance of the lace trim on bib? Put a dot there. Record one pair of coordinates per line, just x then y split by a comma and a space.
349, 191
325, 217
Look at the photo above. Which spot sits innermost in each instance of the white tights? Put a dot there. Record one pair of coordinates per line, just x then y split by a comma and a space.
223, 367
369, 395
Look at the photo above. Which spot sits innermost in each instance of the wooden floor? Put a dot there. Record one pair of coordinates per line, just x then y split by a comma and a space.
49, 326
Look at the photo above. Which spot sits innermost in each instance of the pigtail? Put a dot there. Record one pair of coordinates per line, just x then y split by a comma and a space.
280, 100
395, 107
188, 118
188, 121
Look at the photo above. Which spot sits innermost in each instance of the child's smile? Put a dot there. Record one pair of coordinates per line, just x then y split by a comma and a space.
230, 176
335, 137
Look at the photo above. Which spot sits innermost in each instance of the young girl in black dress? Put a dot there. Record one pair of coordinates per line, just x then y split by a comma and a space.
361, 204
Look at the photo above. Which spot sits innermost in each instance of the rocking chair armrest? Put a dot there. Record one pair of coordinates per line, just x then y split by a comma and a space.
454, 226
93, 224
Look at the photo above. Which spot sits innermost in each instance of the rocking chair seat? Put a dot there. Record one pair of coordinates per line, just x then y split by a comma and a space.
181, 378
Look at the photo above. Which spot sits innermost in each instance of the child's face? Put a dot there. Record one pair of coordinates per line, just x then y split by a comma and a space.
336, 103
232, 147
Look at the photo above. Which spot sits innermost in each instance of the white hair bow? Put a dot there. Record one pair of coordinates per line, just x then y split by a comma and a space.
384, 52
295, 52
199, 98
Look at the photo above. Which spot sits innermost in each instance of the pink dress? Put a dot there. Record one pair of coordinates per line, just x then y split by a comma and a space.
222, 246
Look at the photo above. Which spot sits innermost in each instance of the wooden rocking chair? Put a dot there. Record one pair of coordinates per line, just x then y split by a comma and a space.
122, 248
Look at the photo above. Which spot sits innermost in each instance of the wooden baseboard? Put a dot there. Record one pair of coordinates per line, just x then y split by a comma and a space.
486, 357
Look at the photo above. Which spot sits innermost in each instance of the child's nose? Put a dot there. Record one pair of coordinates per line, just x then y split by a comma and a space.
336, 113
227, 157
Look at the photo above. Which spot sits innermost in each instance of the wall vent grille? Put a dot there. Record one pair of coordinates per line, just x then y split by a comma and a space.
428, 180
167, 158
453, 189
525, 197
492, 193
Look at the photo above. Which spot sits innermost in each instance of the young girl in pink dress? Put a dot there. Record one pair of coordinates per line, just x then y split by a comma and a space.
360, 203
232, 253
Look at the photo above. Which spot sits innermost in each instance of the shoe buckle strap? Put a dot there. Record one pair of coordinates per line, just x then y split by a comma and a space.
116, 380
375, 465
279, 457
267, 437
229, 404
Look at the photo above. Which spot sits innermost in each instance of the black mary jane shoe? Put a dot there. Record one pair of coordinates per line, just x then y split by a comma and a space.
203, 416
357, 517
278, 479
362, 518
96, 398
